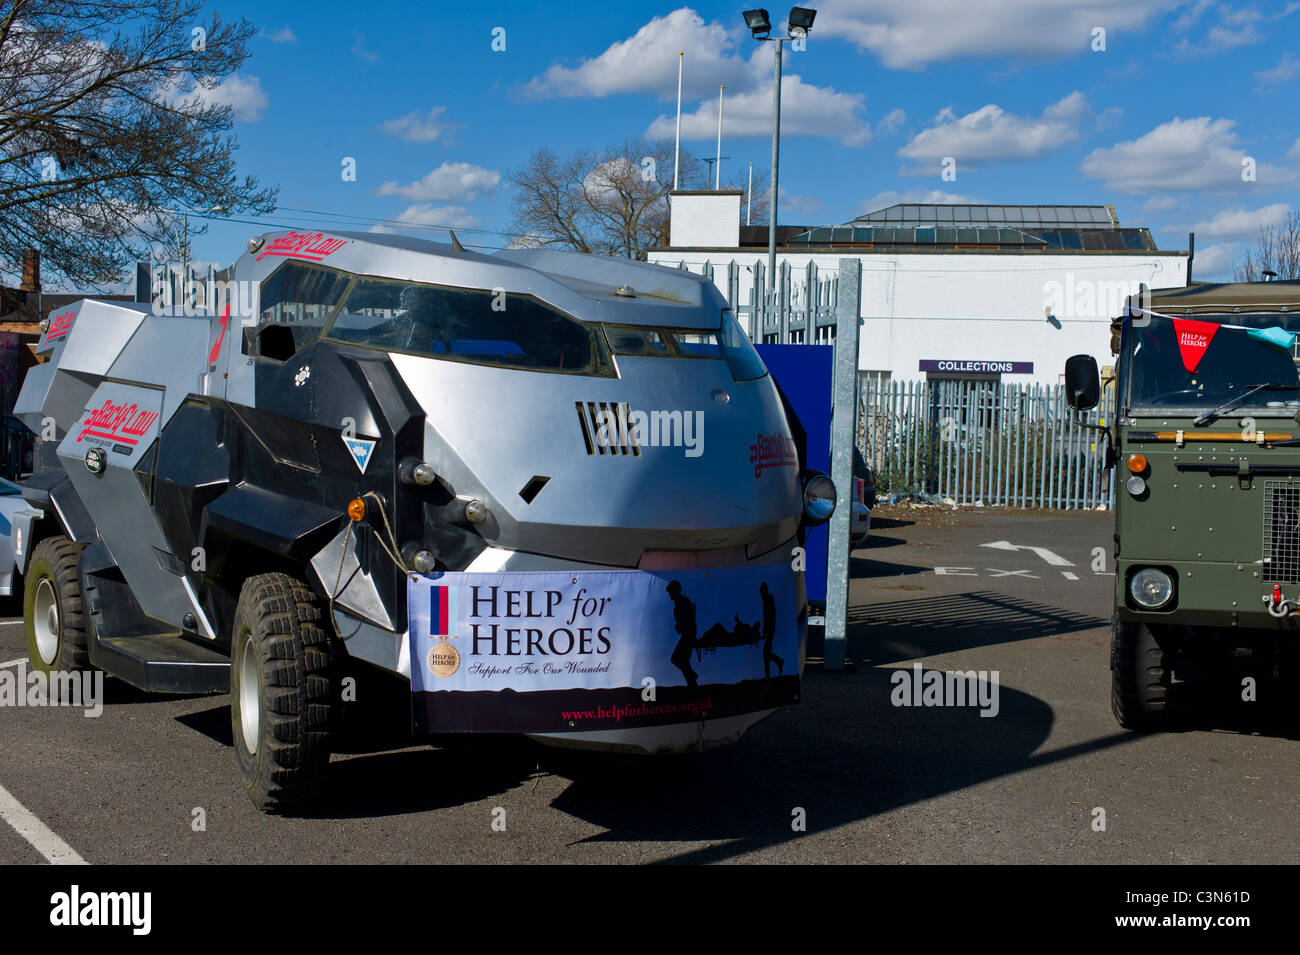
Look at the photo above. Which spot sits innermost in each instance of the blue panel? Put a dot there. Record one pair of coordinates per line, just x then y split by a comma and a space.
803, 373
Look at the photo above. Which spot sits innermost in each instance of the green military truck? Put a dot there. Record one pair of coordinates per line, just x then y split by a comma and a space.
1205, 446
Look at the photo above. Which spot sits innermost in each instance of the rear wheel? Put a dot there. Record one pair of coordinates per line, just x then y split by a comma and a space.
52, 609
280, 691
1141, 674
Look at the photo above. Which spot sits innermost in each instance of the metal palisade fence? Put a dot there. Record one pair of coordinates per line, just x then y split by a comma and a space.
983, 442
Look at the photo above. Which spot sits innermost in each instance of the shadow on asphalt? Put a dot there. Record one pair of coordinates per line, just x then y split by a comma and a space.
885, 523
906, 629
867, 567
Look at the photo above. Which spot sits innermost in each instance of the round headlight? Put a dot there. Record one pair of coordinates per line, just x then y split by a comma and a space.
1151, 588
819, 499
1135, 485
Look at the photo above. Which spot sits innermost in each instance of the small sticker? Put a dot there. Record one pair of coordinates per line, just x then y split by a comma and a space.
96, 459
301, 378
18, 541
360, 449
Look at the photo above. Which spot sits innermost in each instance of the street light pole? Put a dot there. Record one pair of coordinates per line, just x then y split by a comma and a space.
798, 24
776, 156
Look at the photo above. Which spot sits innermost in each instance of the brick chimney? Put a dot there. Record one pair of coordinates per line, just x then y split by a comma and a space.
31, 271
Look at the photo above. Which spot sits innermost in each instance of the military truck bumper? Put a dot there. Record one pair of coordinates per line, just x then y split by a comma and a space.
1209, 594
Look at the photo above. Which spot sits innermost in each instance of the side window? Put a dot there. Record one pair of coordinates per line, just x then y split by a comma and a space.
296, 301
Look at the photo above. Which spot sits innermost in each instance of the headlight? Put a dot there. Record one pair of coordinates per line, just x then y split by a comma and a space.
818, 498
1135, 485
1151, 588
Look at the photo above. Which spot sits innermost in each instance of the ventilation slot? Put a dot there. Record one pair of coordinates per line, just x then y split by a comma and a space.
607, 428
533, 488
1281, 532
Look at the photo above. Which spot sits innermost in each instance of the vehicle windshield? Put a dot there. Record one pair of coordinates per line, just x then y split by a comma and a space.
468, 325
1201, 363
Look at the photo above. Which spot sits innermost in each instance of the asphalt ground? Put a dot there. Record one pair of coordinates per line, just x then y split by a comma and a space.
872, 781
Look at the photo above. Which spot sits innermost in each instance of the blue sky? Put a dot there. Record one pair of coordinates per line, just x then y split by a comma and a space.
1156, 115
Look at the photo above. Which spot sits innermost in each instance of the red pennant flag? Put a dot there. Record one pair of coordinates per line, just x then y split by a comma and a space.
1193, 339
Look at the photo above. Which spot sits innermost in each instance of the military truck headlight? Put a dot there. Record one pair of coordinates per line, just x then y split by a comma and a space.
1135, 485
819, 498
1151, 588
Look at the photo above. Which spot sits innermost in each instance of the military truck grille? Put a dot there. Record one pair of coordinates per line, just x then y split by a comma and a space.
1281, 531
607, 428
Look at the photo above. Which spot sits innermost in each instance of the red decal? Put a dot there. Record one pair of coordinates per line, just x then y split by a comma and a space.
216, 349
125, 422
303, 245
59, 325
1193, 339
772, 451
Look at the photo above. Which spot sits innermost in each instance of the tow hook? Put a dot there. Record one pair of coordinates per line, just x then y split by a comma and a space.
1277, 606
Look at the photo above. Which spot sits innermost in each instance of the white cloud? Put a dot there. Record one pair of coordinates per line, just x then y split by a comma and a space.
1214, 262
892, 122
243, 94
1287, 69
359, 47
990, 133
420, 127
284, 35
798, 204
1294, 152
428, 216
646, 62
1239, 26
1180, 155
890, 197
908, 34
805, 111
451, 180
1157, 205
1241, 223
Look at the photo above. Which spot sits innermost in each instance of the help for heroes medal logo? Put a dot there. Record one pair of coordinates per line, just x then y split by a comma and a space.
444, 659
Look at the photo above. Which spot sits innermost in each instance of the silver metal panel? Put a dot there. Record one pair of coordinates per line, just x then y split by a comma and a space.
101, 331
608, 509
169, 352
341, 574
123, 420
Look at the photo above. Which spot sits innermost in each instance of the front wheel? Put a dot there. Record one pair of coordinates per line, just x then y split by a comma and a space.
52, 609
280, 691
1141, 674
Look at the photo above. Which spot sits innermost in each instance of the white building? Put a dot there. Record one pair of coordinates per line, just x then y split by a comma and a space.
948, 291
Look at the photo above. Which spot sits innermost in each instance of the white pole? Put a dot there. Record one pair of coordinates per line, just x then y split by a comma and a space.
717, 171
677, 150
749, 203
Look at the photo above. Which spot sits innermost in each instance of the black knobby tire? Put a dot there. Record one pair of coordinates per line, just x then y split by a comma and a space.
280, 620
53, 582
1141, 674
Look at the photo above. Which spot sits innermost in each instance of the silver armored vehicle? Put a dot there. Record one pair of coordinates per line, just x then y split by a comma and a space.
558, 493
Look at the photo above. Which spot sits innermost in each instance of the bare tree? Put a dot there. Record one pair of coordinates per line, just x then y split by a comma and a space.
109, 128
613, 202
1277, 250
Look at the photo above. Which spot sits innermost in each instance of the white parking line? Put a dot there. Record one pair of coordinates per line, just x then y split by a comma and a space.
13, 663
51, 847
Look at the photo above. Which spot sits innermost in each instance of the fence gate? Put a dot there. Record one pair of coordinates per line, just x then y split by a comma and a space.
979, 442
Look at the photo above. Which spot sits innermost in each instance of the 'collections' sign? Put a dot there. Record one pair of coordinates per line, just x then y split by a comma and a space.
978, 367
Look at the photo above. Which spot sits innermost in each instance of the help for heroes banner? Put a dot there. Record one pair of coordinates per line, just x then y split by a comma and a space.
539, 652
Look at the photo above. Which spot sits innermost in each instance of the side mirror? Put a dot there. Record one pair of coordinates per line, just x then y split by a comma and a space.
1082, 382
